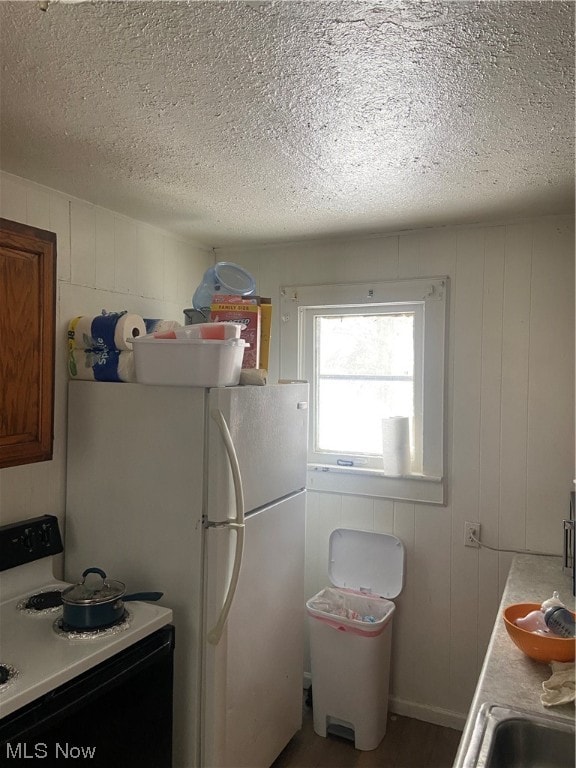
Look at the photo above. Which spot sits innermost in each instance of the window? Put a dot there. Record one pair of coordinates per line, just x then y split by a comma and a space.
374, 356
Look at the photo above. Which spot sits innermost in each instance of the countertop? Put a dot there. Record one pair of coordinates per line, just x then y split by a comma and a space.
508, 677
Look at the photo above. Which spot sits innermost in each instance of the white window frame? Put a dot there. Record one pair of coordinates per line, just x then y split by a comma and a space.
299, 306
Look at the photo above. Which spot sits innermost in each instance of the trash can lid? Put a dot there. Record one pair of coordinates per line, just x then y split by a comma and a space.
366, 561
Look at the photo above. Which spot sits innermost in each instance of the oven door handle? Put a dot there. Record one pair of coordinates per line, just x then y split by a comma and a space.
237, 524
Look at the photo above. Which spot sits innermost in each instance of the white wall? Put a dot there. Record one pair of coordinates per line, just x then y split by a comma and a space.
104, 261
510, 434
510, 404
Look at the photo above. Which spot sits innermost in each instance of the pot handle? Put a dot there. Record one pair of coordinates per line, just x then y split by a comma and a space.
99, 571
148, 596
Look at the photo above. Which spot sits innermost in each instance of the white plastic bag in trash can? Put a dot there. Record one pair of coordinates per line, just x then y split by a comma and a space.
350, 611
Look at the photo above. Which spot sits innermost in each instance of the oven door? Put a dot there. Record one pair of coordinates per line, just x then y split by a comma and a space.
115, 715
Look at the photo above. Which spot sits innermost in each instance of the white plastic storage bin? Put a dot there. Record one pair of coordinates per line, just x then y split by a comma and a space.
351, 635
188, 362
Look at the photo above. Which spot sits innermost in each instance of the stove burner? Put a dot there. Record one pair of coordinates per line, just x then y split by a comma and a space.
7, 675
41, 603
72, 633
44, 600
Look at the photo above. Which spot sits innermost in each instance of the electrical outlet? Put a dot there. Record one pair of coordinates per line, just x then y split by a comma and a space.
471, 532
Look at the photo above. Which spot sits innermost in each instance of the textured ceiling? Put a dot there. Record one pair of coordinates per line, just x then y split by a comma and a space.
245, 122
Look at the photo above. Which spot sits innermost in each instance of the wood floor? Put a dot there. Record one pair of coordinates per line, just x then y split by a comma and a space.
408, 744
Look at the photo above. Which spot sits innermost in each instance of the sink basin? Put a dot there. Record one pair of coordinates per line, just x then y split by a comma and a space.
518, 743
512, 738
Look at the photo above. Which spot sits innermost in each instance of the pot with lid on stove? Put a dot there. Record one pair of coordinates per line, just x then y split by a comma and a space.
98, 604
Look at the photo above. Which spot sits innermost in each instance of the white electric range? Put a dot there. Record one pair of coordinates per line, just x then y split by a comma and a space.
41, 662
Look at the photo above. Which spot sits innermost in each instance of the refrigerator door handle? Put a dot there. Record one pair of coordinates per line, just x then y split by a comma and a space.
237, 524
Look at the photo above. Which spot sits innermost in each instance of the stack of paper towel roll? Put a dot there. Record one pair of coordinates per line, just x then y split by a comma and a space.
99, 347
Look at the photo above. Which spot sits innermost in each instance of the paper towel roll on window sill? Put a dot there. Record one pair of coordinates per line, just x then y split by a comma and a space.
396, 446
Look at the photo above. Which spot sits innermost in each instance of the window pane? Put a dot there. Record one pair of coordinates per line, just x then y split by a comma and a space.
380, 344
350, 407
350, 413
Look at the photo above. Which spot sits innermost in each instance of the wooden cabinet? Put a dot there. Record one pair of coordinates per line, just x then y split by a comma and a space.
27, 322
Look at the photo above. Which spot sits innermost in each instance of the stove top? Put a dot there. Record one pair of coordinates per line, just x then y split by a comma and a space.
44, 659
35, 657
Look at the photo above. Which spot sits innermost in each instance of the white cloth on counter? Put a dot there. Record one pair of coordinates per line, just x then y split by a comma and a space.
559, 689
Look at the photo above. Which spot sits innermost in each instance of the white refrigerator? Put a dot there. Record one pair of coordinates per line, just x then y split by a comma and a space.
199, 493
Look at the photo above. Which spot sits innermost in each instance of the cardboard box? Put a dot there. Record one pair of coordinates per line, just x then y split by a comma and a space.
246, 310
266, 329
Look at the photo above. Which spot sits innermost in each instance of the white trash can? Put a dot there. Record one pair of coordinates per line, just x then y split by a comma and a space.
351, 634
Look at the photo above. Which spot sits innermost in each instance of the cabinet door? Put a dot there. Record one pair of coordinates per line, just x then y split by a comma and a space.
27, 320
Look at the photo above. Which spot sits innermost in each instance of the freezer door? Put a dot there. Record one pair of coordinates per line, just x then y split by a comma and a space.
252, 692
268, 426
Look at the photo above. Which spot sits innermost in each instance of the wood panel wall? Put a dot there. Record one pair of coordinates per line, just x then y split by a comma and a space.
510, 434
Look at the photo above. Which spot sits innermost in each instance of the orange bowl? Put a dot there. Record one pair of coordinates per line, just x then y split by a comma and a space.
538, 647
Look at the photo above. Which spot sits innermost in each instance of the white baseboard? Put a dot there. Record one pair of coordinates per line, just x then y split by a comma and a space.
429, 714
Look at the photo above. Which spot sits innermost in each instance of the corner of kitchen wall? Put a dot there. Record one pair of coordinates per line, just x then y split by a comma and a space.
510, 432
104, 261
